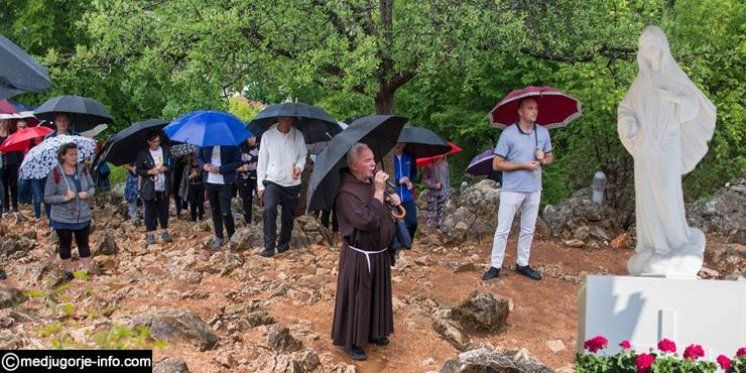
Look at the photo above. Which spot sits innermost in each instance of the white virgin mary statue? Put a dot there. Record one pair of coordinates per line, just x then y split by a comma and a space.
665, 122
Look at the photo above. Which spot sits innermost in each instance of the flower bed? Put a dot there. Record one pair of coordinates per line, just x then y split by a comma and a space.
663, 359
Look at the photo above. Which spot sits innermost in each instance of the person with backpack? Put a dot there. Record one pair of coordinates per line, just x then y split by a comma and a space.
68, 190
153, 167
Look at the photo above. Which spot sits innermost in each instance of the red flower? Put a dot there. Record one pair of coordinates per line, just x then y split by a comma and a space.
643, 362
596, 343
741, 352
724, 362
625, 345
667, 345
694, 352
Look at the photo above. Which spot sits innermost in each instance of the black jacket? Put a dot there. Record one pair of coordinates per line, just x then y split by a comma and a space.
147, 182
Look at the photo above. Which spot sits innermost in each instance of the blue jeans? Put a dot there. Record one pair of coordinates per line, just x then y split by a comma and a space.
37, 195
24, 191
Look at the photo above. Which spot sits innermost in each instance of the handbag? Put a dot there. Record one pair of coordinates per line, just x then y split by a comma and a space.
402, 240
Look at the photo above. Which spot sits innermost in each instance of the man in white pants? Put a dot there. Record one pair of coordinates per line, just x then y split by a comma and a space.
522, 150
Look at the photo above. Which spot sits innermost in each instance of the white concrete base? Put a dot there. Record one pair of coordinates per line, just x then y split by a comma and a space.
644, 310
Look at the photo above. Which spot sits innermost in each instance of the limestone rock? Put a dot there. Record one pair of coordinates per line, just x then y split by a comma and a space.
107, 246
486, 359
177, 325
11, 297
483, 312
725, 211
171, 365
280, 339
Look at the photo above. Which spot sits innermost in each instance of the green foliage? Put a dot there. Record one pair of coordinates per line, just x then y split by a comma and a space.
441, 63
118, 175
242, 108
125, 338
625, 361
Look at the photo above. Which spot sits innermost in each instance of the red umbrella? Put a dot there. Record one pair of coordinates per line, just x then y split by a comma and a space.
9, 111
421, 162
7, 108
556, 109
21, 139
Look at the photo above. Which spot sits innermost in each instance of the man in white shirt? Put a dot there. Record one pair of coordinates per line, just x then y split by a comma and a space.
282, 157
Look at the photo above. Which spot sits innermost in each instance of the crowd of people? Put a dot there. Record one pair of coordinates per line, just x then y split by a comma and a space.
270, 168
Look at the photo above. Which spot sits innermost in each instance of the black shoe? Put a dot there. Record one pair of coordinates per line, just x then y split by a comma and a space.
217, 243
68, 277
283, 249
383, 341
491, 273
267, 253
528, 272
3, 276
356, 353
166, 237
150, 239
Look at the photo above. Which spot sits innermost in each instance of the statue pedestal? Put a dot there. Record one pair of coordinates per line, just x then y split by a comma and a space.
644, 310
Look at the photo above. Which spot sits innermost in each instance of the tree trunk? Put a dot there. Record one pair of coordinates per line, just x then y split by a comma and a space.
384, 102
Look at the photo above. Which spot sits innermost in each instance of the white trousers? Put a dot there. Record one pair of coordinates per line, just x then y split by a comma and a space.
510, 202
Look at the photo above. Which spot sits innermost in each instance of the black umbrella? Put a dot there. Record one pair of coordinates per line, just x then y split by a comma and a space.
421, 142
85, 113
124, 145
255, 129
315, 123
19, 72
379, 132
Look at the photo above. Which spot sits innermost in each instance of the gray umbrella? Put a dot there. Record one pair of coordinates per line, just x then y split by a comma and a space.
422, 143
19, 72
85, 113
315, 123
379, 132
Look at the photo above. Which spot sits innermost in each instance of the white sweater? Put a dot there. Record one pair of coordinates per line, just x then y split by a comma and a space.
277, 153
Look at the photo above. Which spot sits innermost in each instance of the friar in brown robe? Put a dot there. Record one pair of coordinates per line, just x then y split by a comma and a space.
363, 311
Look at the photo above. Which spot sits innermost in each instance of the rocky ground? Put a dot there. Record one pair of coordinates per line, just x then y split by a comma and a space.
233, 310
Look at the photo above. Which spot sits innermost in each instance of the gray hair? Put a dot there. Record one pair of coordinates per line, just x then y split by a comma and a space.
354, 152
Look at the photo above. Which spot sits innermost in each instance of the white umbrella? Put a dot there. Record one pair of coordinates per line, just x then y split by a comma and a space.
41, 158
95, 131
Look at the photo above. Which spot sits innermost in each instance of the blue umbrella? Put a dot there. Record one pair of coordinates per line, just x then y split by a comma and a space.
207, 128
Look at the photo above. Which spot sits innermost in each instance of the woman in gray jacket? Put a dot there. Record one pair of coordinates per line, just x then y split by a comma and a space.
68, 189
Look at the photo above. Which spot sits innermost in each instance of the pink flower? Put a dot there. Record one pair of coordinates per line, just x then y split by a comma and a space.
724, 362
643, 362
625, 345
741, 352
596, 343
667, 345
694, 352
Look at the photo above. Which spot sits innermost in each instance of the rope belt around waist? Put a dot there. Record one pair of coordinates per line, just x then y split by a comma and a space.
367, 253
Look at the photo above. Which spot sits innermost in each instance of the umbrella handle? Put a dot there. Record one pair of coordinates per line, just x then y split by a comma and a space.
397, 212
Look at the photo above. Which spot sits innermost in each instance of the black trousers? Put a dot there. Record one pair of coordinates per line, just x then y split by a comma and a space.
287, 198
155, 211
10, 184
219, 197
246, 190
196, 199
410, 220
325, 219
178, 199
81, 239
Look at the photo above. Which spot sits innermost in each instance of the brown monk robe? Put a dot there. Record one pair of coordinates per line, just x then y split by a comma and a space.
363, 311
